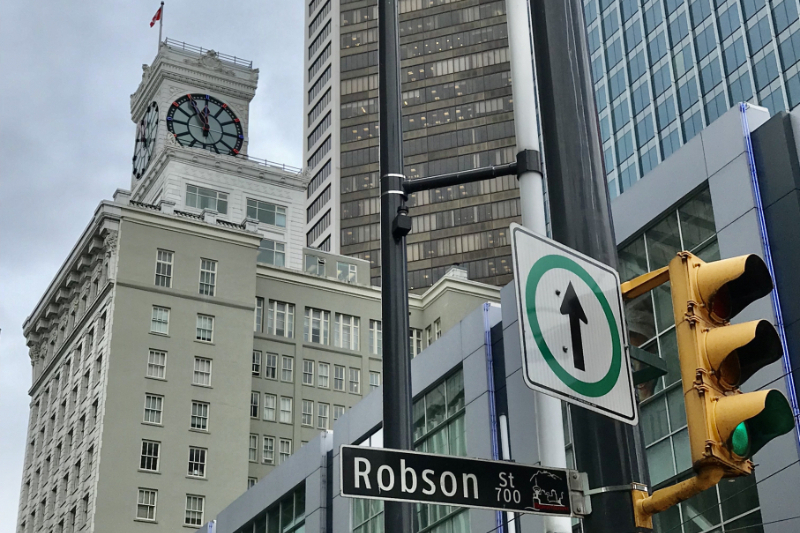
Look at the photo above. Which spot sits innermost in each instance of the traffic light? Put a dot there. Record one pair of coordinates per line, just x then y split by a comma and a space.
726, 426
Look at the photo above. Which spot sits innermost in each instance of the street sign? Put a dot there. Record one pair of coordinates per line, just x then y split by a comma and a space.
382, 474
572, 326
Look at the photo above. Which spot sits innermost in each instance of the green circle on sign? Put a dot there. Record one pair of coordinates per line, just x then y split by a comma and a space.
586, 388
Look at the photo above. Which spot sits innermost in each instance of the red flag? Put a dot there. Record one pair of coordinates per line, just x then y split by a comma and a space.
156, 17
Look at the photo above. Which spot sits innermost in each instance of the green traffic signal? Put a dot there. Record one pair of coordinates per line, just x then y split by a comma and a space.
740, 440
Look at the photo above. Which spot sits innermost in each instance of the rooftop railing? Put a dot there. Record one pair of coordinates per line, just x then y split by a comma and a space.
271, 164
178, 45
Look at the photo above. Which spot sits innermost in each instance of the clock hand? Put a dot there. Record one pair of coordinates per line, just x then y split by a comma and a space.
205, 118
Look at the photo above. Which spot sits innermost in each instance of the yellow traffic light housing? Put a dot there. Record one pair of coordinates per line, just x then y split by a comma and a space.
726, 427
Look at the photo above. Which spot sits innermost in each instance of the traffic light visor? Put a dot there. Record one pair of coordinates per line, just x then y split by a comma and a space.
749, 421
738, 351
730, 285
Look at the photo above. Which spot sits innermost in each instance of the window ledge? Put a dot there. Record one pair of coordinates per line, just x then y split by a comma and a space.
146, 521
156, 379
209, 343
143, 471
204, 431
202, 386
159, 334
198, 478
152, 424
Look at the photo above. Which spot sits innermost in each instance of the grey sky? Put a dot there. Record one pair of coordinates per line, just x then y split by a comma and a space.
66, 140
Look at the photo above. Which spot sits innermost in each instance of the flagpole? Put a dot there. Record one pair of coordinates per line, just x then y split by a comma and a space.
160, 25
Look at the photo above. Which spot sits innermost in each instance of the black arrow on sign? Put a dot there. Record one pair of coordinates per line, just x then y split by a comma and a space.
572, 306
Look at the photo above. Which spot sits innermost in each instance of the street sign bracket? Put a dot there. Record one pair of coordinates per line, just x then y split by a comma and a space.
653, 366
617, 488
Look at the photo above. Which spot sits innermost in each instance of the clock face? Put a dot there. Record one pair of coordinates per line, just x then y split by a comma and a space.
202, 121
145, 140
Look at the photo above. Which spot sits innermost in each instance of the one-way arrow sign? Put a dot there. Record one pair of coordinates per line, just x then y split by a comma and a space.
572, 306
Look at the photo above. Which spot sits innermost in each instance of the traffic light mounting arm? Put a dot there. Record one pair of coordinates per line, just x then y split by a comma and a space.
663, 499
646, 282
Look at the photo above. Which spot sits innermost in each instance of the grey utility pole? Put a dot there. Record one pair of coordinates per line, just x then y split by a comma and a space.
607, 450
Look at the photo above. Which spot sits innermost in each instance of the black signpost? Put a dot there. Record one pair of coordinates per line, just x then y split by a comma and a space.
405, 476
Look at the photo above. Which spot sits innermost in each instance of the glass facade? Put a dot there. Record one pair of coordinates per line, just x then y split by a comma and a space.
665, 69
286, 516
733, 504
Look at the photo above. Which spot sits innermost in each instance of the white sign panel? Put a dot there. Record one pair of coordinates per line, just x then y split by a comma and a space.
572, 326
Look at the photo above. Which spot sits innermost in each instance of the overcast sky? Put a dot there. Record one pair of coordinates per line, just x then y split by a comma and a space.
66, 141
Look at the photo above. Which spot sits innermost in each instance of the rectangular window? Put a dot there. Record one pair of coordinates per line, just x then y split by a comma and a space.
428, 336
272, 253
285, 450
287, 369
338, 377
374, 380
271, 366
149, 458
308, 413
280, 319
252, 448
315, 327
157, 364
338, 411
355, 380
194, 510
146, 504
286, 410
258, 319
323, 415
323, 375
274, 215
346, 272
199, 416
375, 337
201, 198
153, 407
315, 265
437, 329
254, 396
205, 328
208, 277
345, 331
256, 368
197, 462
415, 341
270, 405
159, 322
269, 450
308, 372
202, 371
251, 482
164, 268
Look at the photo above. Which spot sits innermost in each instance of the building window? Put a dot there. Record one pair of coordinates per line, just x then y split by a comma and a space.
201, 198
280, 319
194, 510
346, 272
269, 450
287, 368
270, 405
149, 458
153, 406
256, 369
355, 380
272, 253
338, 411
315, 266
159, 322
208, 277
308, 372
285, 450
197, 462
251, 482
323, 415
428, 336
308, 413
271, 366
437, 329
258, 319
338, 377
164, 268
254, 404
374, 380
315, 327
345, 331
274, 215
415, 341
323, 375
375, 337
202, 371
157, 364
146, 504
199, 416
205, 328
252, 449
286, 410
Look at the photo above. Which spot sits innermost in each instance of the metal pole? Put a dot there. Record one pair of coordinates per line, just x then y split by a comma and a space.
160, 25
395, 224
580, 217
549, 424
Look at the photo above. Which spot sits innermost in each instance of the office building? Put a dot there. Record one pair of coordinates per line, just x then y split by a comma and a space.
190, 343
457, 115
666, 69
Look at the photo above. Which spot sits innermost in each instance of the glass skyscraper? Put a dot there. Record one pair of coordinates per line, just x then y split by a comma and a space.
665, 69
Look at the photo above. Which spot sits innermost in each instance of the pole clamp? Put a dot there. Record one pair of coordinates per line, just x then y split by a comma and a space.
528, 161
617, 488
